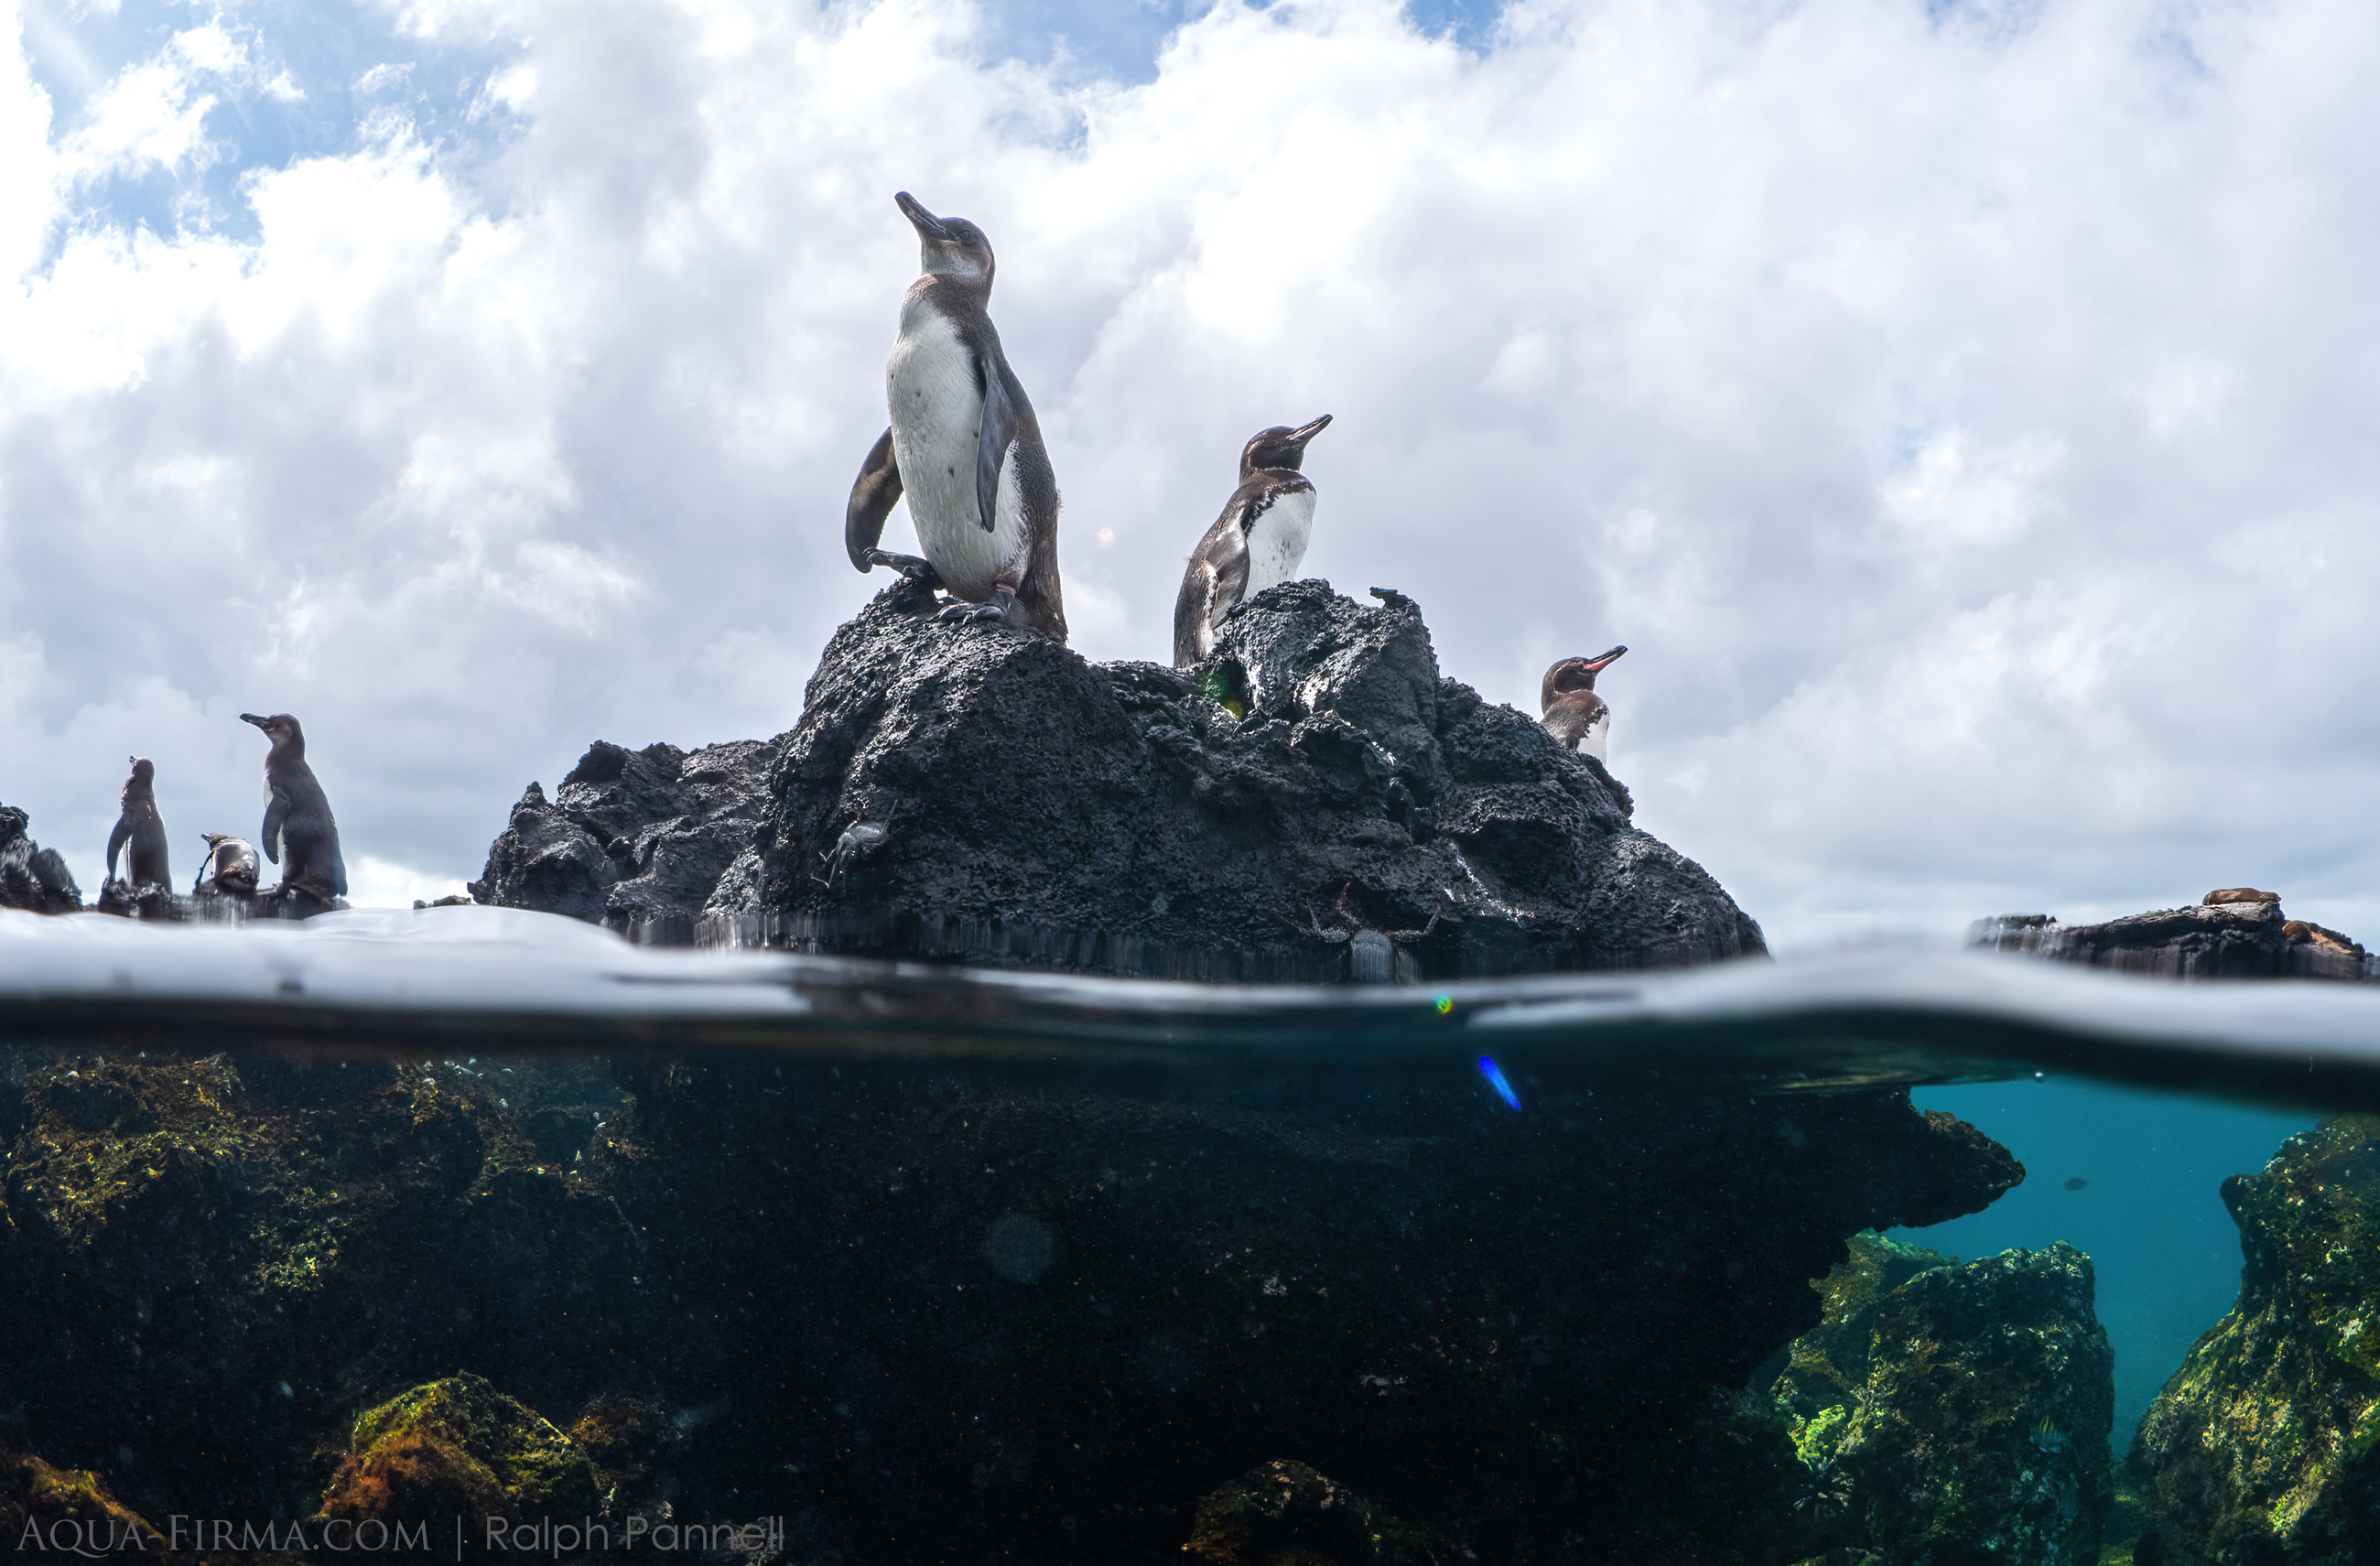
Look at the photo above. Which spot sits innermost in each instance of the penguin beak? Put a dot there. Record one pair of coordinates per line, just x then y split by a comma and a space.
1306, 433
252, 718
927, 225
1601, 662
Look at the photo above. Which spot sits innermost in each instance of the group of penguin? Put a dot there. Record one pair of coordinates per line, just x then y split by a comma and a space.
966, 449
300, 834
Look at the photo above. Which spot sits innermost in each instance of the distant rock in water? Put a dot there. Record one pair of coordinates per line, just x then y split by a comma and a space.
33, 877
2262, 1445
1307, 801
2237, 933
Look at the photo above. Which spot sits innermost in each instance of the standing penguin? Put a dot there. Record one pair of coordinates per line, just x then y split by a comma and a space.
1257, 543
1573, 713
299, 833
964, 446
143, 827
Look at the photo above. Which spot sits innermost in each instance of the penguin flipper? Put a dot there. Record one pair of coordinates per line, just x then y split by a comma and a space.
276, 810
116, 843
999, 432
872, 494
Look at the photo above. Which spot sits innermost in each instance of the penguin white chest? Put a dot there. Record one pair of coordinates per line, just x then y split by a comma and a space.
1597, 740
937, 427
1277, 540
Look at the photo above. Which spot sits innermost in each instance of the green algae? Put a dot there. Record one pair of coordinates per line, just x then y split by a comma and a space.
1943, 1407
2262, 1441
457, 1447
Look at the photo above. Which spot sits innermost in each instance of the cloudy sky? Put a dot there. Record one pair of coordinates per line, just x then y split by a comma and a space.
1964, 408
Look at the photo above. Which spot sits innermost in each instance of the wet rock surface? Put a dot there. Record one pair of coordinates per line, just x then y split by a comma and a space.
1313, 802
1942, 1408
31, 876
2229, 935
933, 1316
2261, 1446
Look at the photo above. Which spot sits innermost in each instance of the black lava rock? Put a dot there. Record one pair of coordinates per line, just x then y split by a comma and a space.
633, 839
1313, 803
2221, 940
33, 877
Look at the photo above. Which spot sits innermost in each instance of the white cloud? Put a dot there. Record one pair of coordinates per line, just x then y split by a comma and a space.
1960, 417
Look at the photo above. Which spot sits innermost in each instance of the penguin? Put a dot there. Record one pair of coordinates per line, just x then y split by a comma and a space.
964, 446
1573, 713
1257, 543
299, 833
231, 866
143, 827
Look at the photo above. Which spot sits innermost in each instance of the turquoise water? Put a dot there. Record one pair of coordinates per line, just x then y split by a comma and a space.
2164, 1250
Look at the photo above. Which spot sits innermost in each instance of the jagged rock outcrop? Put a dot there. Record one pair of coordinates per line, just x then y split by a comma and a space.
1312, 802
33, 877
2228, 935
1942, 1407
633, 839
2261, 1446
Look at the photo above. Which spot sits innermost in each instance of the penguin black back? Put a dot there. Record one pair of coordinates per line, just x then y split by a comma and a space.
299, 833
139, 825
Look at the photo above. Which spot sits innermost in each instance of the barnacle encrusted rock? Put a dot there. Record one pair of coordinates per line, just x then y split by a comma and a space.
1312, 790
2261, 1446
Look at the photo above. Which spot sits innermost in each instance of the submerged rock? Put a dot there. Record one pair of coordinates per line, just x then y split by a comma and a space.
1313, 803
933, 1314
458, 1447
31, 876
1943, 1407
2237, 933
2260, 1449
53, 1513
1287, 1511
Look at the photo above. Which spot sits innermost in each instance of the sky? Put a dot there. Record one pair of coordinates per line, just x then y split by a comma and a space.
1963, 408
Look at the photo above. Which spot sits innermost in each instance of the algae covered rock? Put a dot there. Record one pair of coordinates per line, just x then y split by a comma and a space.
1287, 1513
2261, 1446
1819, 1378
1974, 1420
48, 1513
31, 876
459, 1448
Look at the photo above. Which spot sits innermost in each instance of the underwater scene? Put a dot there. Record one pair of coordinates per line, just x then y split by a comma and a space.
482, 1234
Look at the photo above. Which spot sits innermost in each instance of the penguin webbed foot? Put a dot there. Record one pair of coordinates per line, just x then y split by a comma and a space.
909, 566
990, 611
